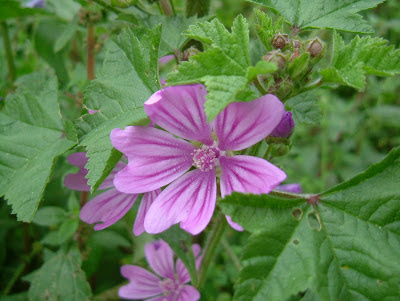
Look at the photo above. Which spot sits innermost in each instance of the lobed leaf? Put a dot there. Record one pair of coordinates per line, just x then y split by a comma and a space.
341, 15
129, 76
31, 138
344, 248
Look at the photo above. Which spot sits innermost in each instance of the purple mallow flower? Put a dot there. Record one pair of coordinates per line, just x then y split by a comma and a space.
110, 206
166, 59
157, 158
169, 283
285, 127
36, 4
295, 188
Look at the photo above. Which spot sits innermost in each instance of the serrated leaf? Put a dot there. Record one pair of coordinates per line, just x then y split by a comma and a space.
341, 15
361, 57
172, 27
129, 76
31, 138
344, 248
61, 279
305, 108
266, 28
222, 68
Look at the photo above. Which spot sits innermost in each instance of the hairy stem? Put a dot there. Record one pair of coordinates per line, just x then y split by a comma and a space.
90, 52
230, 253
209, 251
8, 50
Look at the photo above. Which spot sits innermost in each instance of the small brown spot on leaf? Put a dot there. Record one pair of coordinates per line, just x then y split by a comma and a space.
297, 213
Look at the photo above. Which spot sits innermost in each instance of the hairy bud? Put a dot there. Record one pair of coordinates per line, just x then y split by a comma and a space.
315, 47
280, 40
188, 53
276, 56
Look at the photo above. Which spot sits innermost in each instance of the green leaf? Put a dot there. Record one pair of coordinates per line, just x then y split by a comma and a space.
181, 243
222, 68
262, 67
31, 138
340, 15
361, 57
266, 28
63, 234
49, 216
12, 9
344, 248
305, 108
67, 35
129, 76
61, 279
172, 28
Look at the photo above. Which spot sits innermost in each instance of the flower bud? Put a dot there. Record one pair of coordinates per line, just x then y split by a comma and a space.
315, 47
188, 53
276, 56
279, 149
285, 127
280, 40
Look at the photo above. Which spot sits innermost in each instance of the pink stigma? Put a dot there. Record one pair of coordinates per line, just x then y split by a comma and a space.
205, 158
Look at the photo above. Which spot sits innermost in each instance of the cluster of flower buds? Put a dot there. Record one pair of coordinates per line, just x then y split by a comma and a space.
295, 60
89, 15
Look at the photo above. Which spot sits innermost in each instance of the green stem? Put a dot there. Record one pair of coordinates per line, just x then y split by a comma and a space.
209, 251
37, 248
257, 84
8, 50
116, 10
231, 254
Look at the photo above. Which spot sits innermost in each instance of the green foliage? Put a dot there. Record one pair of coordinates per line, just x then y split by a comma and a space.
12, 9
344, 248
181, 243
49, 216
266, 28
305, 108
362, 56
340, 15
222, 68
31, 138
128, 78
60, 278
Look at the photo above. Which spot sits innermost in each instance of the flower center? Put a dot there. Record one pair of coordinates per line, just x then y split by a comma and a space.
167, 285
205, 158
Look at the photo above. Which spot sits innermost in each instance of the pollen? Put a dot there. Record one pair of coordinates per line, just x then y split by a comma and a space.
205, 158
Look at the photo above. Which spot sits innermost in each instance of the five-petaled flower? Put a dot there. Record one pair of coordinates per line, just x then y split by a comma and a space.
170, 282
108, 207
157, 158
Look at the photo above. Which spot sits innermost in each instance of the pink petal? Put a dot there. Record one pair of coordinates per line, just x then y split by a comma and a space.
108, 207
155, 158
160, 257
142, 283
78, 159
248, 174
147, 200
181, 269
180, 110
188, 293
190, 200
234, 225
243, 124
77, 181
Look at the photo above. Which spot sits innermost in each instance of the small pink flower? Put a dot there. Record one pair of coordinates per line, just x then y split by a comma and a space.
111, 205
156, 158
170, 282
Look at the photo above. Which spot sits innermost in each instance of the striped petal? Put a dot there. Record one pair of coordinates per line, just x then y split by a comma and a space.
142, 283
